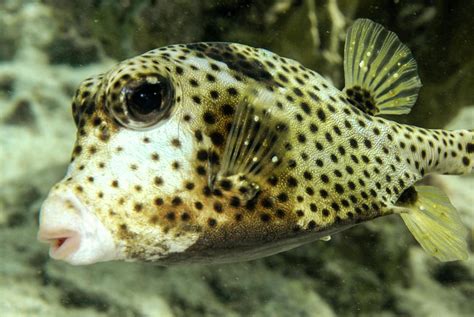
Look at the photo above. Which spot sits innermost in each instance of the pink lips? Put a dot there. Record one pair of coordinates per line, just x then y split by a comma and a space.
63, 243
73, 232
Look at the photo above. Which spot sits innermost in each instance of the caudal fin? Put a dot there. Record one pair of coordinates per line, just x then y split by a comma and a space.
434, 223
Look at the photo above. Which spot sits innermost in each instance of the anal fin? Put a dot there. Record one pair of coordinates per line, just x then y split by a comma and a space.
434, 223
380, 72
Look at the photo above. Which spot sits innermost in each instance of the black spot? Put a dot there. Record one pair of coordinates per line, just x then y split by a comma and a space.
185, 216
267, 202
298, 92
351, 185
367, 143
171, 216
214, 94
283, 197
341, 150
227, 110
217, 138
324, 178
212, 222
282, 78
210, 78
305, 108
272, 180
235, 201
198, 135
202, 155
196, 100
232, 91
176, 201
328, 137
209, 117
292, 182
201, 170
291, 163
408, 197
321, 115
323, 193
470, 148
218, 207
301, 138
353, 143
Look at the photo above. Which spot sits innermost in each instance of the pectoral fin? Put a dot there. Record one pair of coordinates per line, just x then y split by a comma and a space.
253, 148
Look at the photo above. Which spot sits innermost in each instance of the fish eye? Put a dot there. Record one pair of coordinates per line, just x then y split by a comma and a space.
145, 100
144, 103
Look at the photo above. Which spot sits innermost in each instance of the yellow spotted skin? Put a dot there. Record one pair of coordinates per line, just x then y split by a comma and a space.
151, 188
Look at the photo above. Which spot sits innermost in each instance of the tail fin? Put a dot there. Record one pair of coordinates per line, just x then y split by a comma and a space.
434, 223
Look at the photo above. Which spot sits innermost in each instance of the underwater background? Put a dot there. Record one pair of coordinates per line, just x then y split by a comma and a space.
376, 269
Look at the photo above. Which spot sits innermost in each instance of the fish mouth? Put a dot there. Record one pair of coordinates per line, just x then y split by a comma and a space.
62, 243
72, 230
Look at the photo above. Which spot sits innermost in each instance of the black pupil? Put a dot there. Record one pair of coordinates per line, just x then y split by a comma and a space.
146, 99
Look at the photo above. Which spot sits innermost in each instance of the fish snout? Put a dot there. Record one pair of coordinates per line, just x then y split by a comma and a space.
74, 233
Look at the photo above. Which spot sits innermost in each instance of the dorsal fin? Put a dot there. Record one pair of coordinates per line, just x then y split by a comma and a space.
254, 145
380, 72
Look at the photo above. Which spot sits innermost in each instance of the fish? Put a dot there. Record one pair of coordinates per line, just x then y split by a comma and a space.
218, 152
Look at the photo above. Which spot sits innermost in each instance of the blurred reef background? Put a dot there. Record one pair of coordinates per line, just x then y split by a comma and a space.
377, 269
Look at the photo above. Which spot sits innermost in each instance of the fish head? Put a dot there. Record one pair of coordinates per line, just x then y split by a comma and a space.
139, 172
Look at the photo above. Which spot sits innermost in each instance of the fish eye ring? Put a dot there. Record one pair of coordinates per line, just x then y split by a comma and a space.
144, 103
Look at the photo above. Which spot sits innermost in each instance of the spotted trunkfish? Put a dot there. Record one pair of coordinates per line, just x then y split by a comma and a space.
221, 152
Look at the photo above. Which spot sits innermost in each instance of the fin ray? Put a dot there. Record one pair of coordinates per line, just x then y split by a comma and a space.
435, 224
380, 72
254, 145
251, 140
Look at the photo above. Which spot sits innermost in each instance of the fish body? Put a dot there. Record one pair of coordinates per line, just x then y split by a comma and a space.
221, 152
